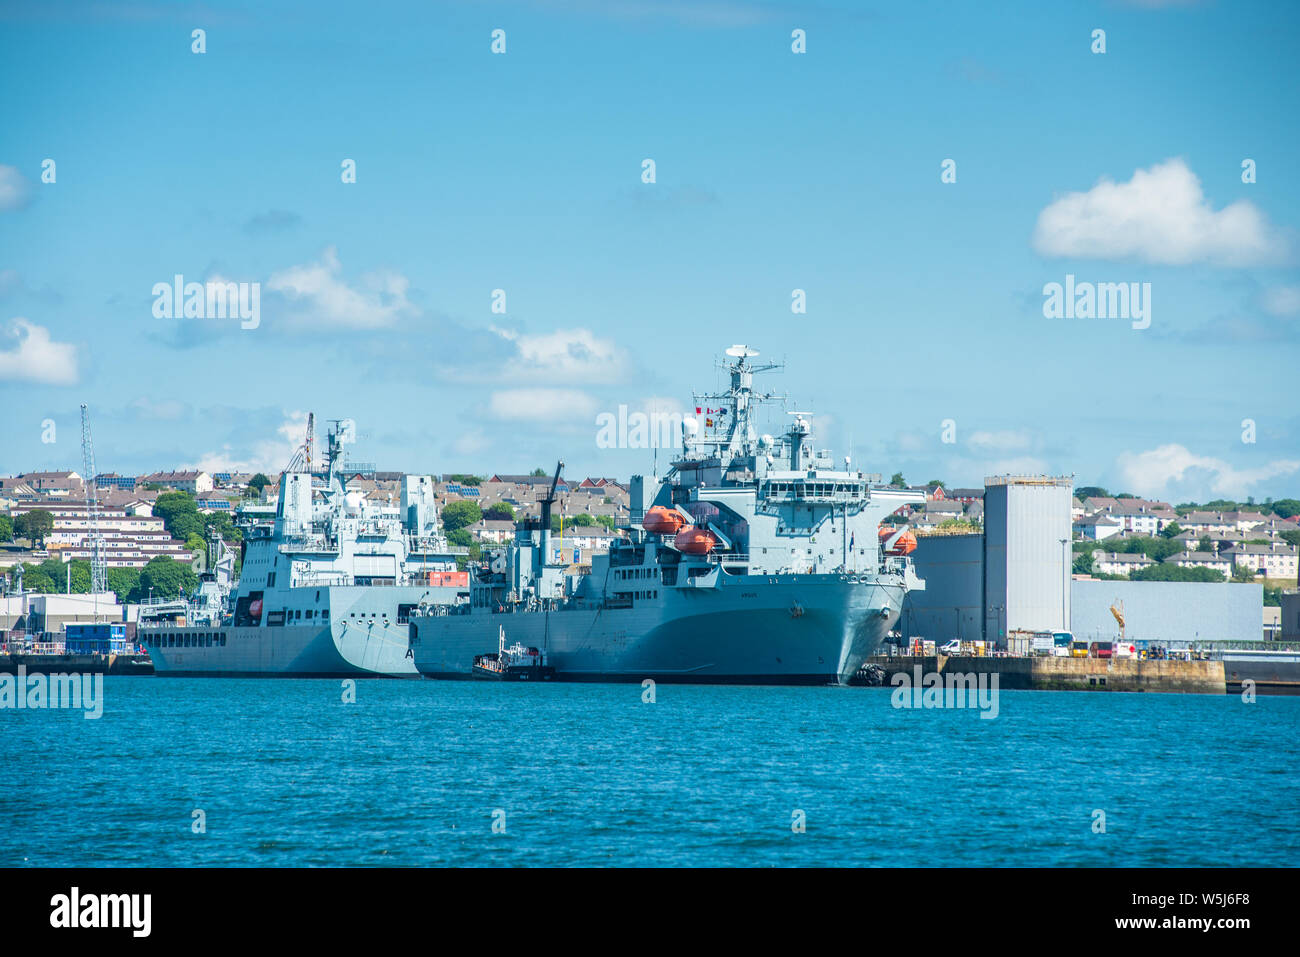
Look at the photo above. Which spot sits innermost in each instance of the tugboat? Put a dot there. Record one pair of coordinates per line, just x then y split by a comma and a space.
515, 663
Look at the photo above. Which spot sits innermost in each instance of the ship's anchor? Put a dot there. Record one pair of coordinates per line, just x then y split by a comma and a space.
796, 610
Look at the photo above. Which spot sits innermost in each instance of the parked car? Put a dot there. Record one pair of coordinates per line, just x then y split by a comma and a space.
1101, 649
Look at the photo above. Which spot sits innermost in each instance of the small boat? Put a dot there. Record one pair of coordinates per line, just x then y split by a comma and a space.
515, 663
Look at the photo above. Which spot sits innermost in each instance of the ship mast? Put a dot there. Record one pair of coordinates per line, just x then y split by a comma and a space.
739, 402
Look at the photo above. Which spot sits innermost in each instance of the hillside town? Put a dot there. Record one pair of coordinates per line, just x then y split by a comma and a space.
45, 524
1123, 536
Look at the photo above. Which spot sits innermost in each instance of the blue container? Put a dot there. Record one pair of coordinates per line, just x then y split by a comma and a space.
99, 638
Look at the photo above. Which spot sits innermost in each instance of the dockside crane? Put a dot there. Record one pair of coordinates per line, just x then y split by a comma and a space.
98, 570
1117, 610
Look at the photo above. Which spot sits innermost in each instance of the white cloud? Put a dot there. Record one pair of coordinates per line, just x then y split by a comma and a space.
542, 405
13, 188
1159, 216
1173, 468
1282, 301
1004, 441
269, 455
566, 356
909, 442
471, 442
378, 301
36, 357
1015, 465
167, 409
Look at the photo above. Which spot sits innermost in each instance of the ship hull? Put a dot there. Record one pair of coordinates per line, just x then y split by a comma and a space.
1271, 672
805, 629
365, 637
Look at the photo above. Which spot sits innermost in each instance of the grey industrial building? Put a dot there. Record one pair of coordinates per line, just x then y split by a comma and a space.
1016, 576
1027, 556
1291, 615
1170, 613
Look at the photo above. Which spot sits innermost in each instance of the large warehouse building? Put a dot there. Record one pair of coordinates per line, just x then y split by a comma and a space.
1169, 613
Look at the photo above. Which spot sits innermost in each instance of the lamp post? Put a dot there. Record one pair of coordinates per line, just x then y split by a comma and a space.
1065, 545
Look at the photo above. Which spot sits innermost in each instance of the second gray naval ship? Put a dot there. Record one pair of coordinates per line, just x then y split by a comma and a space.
325, 589
754, 560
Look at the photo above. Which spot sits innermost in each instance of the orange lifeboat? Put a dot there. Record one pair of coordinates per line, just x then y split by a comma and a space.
663, 521
905, 545
694, 540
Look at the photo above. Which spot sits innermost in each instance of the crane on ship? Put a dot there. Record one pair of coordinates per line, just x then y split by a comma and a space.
301, 459
549, 501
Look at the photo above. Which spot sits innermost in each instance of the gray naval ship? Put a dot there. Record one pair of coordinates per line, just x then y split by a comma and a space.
327, 584
754, 560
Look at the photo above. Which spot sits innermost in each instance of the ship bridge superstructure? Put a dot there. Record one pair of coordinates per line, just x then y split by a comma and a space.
771, 505
324, 534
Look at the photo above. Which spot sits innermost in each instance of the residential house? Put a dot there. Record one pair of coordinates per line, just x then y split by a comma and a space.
195, 482
1095, 528
1120, 563
1202, 522
1096, 503
1216, 561
966, 496
495, 531
1277, 560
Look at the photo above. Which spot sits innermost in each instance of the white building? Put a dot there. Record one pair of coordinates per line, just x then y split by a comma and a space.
1120, 563
1277, 560
1215, 561
194, 482
1094, 528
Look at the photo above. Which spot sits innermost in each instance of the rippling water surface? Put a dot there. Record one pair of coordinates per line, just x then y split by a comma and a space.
412, 773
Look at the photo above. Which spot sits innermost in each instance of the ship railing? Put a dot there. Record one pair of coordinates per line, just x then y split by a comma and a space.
320, 579
844, 498
302, 543
729, 558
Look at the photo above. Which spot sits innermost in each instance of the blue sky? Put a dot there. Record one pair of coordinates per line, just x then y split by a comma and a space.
775, 171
